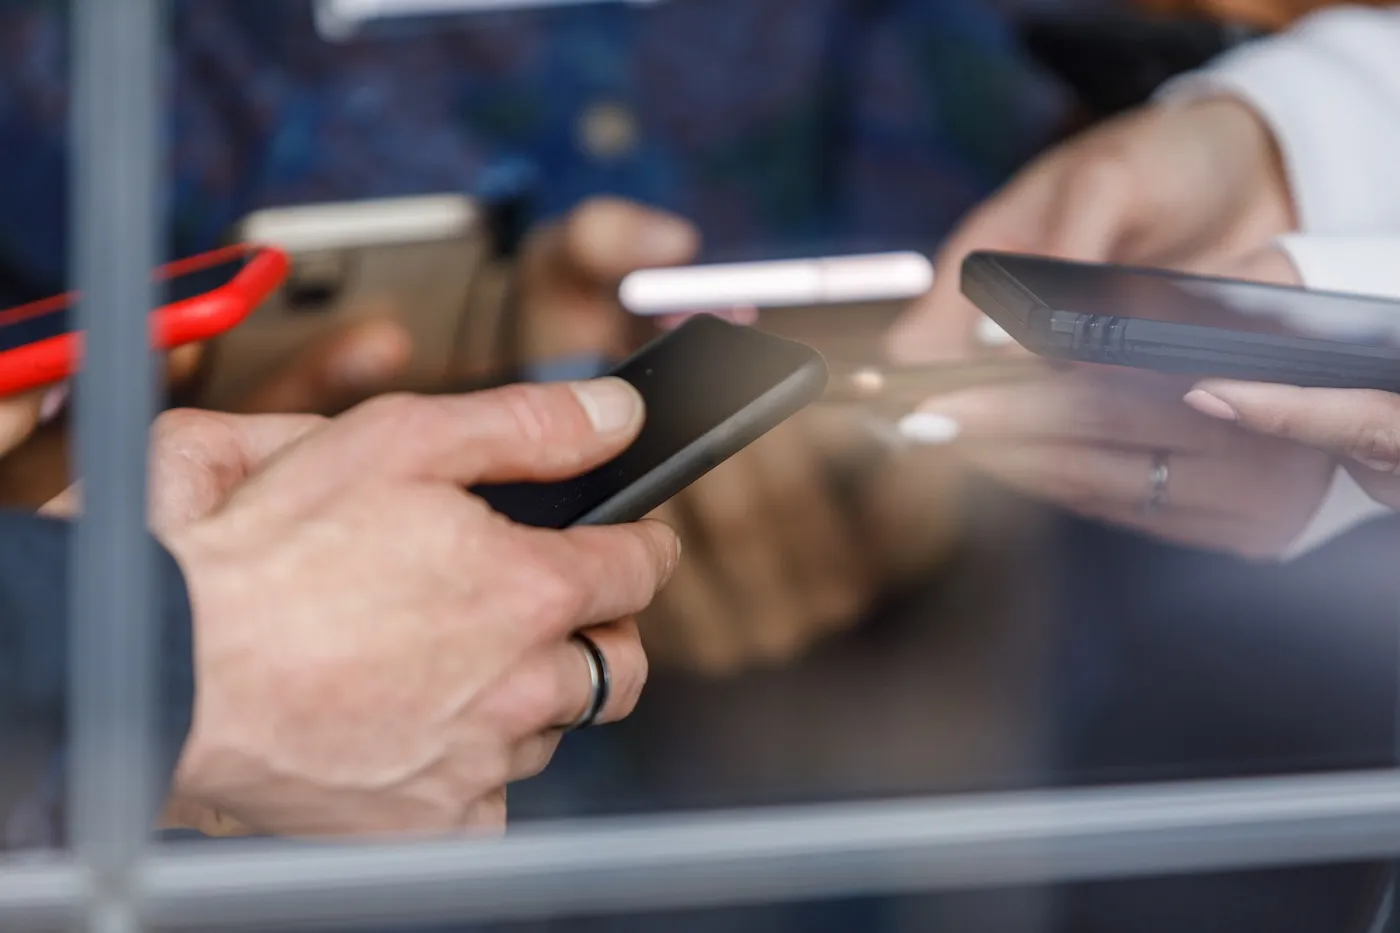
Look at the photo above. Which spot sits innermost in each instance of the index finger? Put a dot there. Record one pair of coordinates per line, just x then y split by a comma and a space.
1362, 424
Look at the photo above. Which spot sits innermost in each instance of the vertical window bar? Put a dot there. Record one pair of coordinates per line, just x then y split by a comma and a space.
116, 57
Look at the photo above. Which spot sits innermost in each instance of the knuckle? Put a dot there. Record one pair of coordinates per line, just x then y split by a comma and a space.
1275, 420
179, 421
629, 669
533, 413
1377, 442
389, 408
404, 421
554, 599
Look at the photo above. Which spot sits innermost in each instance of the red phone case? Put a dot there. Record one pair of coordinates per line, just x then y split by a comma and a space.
189, 321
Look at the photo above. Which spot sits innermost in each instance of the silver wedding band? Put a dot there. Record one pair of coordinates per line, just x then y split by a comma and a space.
1157, 479
600, 681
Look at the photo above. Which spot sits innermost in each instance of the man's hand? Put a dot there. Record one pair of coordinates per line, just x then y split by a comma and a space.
570, 272
1184, 187
375, 649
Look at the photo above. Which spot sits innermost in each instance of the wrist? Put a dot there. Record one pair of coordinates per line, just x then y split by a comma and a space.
194, 780
1268, 209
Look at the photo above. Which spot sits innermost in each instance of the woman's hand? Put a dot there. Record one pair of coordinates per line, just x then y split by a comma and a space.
1096, 441
1091, 440
1186, 187
1360, 427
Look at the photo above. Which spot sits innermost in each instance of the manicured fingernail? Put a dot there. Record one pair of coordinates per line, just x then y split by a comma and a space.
1380, 466
611, 404
927, 427
53, 403
668, 240
1212, 406
992, 334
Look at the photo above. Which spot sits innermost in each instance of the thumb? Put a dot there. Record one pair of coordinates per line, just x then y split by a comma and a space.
198, 458
521, 433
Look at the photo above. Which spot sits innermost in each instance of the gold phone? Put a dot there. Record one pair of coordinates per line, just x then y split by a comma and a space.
418, 257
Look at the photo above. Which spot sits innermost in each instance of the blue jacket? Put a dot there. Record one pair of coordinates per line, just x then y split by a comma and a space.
34, 675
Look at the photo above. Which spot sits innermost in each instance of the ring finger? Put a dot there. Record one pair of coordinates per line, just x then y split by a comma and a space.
1118, 478
556, 685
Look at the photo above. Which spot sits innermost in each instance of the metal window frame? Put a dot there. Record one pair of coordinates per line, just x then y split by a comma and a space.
114, 883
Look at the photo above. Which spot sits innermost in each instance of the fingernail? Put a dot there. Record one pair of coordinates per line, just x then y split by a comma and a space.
1212, 406
668, 240
612, 404
53, 403
930, 428
1380, 466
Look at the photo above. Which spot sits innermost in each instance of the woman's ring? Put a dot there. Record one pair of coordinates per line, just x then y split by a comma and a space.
1157, 479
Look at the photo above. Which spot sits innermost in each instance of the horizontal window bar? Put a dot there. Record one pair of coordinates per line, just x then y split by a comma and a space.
774, 855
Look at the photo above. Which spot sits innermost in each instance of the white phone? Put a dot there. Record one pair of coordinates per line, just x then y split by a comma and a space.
789, 283
418, 256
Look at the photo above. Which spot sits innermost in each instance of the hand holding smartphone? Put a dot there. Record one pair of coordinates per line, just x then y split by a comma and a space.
416, 258
203, 296
711, 388
1188, 324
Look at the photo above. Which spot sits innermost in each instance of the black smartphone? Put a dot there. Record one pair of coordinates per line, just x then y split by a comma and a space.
711, 389
1198, 325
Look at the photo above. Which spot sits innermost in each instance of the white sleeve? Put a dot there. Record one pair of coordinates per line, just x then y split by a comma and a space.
1329, 89
1363, 265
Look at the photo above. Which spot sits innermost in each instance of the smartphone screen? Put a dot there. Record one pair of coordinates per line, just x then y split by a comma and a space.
693, 380
1222, 304
31, 323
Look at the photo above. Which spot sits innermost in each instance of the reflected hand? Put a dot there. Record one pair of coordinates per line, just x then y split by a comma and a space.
1186, 187
340, 368
570, 272
1088, 441
774, 561
1361, 428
